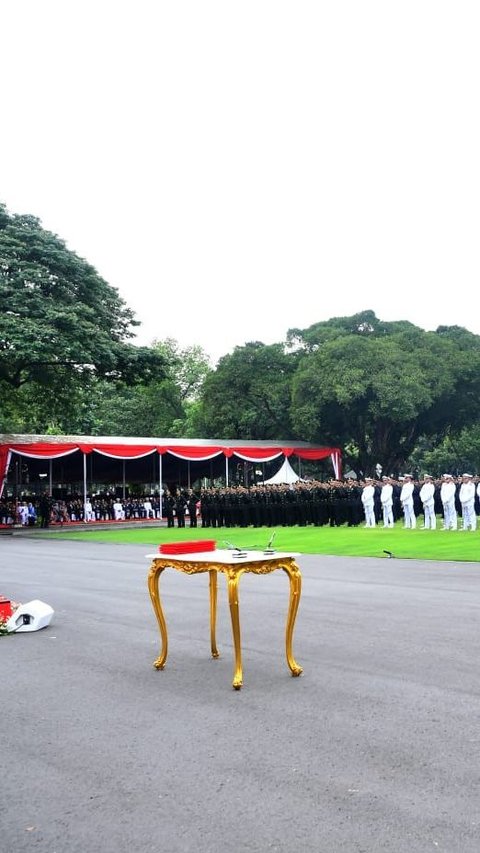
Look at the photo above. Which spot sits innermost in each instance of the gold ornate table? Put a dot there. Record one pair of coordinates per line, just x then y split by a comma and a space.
233, 567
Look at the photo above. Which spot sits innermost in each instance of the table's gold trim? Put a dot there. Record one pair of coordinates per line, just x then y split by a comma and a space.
153, 588
295, 577
233, 572
213, 612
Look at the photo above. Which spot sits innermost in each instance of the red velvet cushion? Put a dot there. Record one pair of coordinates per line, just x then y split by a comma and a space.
188, 547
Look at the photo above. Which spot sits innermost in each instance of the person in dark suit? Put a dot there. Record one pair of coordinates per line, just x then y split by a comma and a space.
169, 508
180, 507
45, 510
192, 500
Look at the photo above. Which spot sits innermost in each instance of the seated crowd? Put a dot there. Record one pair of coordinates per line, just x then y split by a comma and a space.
311, 502
46, 510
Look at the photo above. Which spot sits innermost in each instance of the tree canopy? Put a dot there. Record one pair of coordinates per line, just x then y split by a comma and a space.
248, 395
58, 313
161, 407
374, 388
378, 387
61, 324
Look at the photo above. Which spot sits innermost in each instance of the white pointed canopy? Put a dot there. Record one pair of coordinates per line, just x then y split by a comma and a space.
285, 474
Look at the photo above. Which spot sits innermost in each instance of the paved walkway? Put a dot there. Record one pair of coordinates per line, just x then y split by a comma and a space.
374, 748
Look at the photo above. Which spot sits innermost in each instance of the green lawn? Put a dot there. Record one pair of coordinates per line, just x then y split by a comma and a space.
341, 541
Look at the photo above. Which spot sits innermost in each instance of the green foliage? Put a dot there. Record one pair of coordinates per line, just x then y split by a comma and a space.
160, 407
248, 395
377, 388
364, 325
61, 328
456, 452
380, 390
188, 367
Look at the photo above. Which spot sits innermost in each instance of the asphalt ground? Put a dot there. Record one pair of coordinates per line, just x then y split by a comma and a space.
374, 748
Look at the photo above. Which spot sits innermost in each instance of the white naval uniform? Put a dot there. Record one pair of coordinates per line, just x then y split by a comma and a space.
427, 493
386, 499
447, 496
467, 499
406, 499
368, 495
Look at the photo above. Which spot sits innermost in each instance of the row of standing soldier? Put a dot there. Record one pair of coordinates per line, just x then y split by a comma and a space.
313, 502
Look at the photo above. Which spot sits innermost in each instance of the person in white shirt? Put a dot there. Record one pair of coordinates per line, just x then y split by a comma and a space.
118, 511
467, 499
386, 500
89, 513
406, 499
23, 513
427, 493
368, 495
447, 496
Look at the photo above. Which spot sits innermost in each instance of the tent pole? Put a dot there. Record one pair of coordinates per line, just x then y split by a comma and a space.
226, 471
123, 485
50, 477
188, 473
160, 489
84, 486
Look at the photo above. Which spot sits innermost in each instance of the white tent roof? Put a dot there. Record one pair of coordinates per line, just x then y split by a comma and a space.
285, 474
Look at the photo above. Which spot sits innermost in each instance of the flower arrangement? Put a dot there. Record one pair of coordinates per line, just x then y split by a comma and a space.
7, 609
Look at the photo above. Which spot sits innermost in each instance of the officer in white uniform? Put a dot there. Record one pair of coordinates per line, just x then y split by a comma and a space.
386, 499
427, 493
368, 495
406, 499
467, 499
447, 496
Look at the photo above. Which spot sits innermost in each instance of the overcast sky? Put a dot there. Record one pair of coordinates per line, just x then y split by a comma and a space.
238, 169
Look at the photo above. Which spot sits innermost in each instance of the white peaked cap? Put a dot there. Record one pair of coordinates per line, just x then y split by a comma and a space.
467, 475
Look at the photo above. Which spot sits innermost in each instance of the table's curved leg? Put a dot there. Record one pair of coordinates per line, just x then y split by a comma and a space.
233, 576
153, 584
213, 612
293, 573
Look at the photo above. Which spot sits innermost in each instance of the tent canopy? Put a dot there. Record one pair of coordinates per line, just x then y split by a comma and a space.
285, 474
158, 456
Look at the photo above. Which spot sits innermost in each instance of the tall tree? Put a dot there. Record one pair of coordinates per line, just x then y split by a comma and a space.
61, 324
376, 388
248, 395
160, 407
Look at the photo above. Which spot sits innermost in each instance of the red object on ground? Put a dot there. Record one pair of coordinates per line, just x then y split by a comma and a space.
5, 608
188, 547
